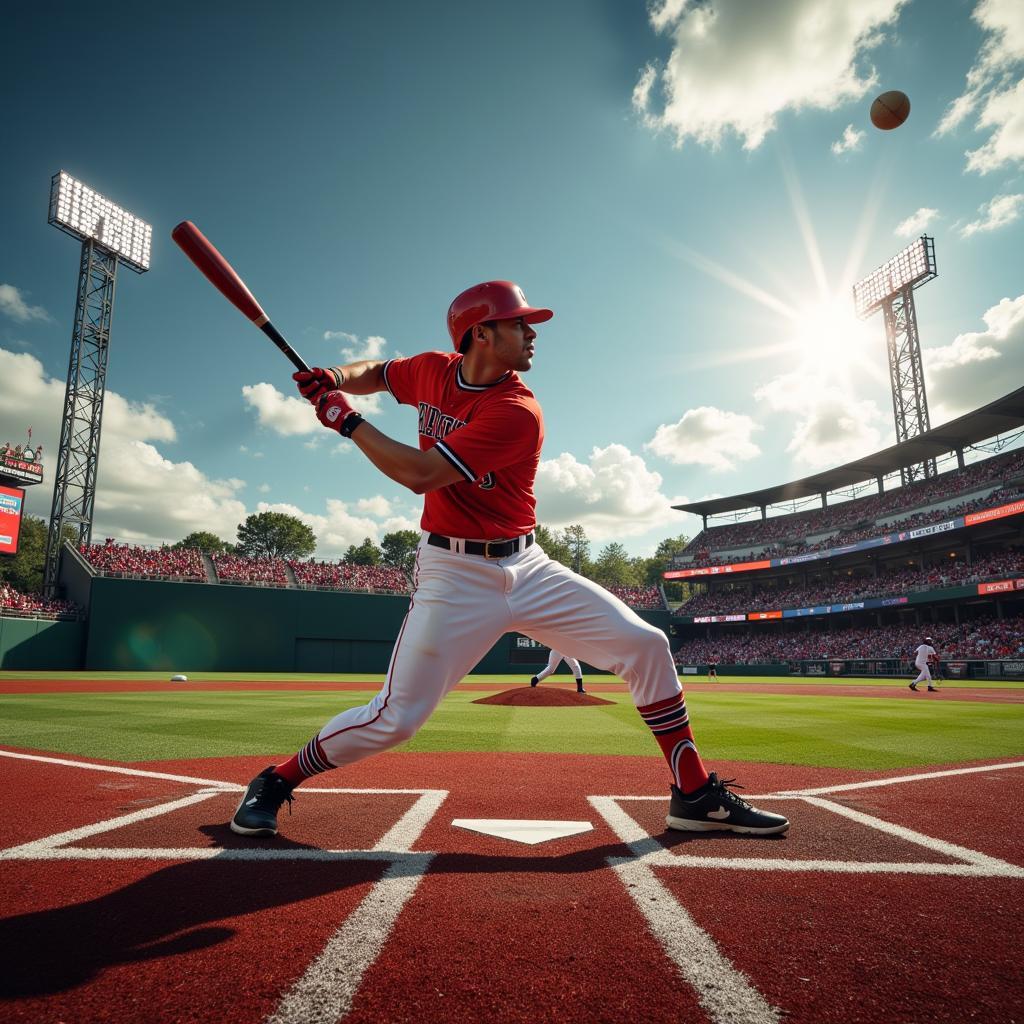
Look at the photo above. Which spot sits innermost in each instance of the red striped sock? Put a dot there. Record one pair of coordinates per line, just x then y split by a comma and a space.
309, 761
668, 720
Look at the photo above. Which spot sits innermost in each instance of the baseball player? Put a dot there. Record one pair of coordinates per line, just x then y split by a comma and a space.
712, 671
479, 572
922, 656
554, 660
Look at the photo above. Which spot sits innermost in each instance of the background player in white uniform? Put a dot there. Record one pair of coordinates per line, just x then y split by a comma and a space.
555, 658
479, 574
924, 653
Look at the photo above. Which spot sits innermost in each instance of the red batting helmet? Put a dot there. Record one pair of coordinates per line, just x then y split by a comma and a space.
492, 300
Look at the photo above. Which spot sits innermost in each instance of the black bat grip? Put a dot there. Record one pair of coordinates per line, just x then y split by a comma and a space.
276, 337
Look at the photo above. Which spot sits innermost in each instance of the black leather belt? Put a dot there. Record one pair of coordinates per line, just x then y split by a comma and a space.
487, 548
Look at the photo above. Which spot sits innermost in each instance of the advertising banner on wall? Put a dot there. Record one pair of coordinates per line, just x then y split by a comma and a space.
12, 501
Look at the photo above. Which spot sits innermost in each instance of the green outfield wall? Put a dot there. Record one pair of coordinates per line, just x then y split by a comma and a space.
181, 627
41, 643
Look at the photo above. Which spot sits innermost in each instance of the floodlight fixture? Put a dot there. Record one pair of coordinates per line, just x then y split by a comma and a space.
110, 236
910, 268
83, 213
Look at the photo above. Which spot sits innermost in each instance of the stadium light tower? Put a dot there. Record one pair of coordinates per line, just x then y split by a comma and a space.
109, 236
891, 289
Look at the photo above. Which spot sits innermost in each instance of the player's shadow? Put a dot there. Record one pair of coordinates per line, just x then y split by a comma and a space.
165, 912
186, 907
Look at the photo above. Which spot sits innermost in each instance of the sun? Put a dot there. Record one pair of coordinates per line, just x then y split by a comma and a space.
827, 336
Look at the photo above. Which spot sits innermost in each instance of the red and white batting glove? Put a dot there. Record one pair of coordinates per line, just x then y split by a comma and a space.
315, 383
333, 411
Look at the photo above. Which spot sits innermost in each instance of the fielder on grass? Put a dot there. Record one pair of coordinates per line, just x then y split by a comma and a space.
479, 572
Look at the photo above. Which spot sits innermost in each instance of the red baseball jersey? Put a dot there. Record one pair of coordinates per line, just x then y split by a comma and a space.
491, 433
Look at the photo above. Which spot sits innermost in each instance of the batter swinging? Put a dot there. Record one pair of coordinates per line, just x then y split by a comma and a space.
479, 573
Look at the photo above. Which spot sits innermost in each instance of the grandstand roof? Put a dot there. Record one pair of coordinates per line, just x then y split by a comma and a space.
1006, 413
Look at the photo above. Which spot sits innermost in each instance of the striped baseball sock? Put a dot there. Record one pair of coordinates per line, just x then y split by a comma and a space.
309, 761
668, 720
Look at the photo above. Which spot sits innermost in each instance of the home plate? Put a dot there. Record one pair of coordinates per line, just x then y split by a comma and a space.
522, 830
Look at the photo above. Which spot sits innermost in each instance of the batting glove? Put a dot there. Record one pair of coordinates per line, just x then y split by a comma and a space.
333, 411
314, 384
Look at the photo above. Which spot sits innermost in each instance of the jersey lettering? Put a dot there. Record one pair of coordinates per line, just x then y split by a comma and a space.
432, 423
487, 482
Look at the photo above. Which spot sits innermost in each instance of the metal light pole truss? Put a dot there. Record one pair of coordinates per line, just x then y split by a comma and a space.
891, 289
74, 489
109, 235
906, 375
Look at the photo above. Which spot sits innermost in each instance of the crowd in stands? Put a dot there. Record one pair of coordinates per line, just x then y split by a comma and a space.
263, 572
345, 576
644, 598
113, 559
14, 602
980, 638
790, 546
756, 535
841, 588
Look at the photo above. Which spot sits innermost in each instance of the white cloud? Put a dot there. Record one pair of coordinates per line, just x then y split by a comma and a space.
613, 495
706, 436
378, 506
735, 66
342, 526
284, 415
850, 141
996, 213
916, 223
831, 426
13, 305
977, 366
994, 89
291, 417
355, 350
140, 495
263, 488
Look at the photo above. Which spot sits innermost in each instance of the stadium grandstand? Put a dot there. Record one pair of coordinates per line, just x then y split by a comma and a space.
853, 584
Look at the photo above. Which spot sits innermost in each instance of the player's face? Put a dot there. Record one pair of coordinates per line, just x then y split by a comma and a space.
513, 343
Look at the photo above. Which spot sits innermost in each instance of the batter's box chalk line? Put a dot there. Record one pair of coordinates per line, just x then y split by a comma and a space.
648, 850
395, 845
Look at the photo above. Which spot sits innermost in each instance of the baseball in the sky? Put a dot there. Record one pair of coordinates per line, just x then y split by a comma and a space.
890, 110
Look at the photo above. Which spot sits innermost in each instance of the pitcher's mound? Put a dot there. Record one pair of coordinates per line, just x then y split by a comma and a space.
541, 697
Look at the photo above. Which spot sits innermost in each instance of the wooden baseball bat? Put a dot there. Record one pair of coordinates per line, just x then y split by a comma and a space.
198, 248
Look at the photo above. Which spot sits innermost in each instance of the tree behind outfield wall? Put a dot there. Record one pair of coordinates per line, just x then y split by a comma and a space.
203, 540
366, 553
553, 544
675, 590
576, 540
275, 535
614, 567
399, 549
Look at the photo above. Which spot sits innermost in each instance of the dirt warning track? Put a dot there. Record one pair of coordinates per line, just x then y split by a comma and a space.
128, 899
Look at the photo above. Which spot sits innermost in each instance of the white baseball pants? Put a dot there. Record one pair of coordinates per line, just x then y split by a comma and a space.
555, 658
461, 605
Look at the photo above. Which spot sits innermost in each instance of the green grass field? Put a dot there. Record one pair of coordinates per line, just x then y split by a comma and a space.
836, 731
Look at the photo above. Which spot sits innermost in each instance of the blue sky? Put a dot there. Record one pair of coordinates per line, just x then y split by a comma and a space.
692, 188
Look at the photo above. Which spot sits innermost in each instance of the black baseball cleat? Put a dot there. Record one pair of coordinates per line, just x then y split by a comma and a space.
533, 681
933, 689
913, 686
579, 689
257, 812
714, 807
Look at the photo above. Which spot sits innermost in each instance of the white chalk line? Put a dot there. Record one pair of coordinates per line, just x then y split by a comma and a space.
726, 993
325, 992
897, 780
